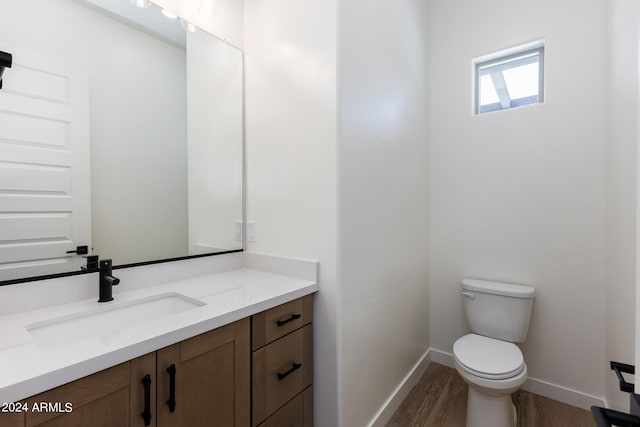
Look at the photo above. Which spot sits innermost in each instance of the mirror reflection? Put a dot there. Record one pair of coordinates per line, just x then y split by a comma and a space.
120, 130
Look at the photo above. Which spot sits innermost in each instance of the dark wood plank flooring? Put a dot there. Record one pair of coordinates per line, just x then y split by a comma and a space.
440, 397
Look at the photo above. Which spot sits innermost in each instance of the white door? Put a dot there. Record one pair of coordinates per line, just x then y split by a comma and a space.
45, 205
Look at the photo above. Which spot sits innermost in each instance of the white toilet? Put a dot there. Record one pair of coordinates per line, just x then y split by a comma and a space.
488, 360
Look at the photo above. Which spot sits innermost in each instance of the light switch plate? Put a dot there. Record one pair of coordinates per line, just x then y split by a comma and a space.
251, 232
237, 224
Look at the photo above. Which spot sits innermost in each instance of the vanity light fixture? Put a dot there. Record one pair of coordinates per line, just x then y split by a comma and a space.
6, 59
143, 4
169, 14
187, 26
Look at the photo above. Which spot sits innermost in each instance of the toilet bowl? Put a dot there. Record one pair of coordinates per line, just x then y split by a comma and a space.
487, 359
493, 369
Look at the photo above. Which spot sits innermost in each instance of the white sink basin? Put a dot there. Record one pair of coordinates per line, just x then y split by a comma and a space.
108, 320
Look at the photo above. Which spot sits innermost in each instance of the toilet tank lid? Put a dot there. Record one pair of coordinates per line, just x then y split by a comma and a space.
497, 288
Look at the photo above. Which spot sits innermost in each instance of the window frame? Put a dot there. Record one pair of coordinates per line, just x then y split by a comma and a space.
506, 57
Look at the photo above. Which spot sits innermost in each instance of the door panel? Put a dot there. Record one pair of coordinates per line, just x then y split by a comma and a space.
212, 379
45, 205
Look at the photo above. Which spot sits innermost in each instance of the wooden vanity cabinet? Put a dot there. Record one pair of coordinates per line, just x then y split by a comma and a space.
282, 360
211, 388
257, 371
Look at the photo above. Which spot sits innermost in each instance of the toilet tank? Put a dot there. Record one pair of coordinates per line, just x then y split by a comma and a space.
498, 310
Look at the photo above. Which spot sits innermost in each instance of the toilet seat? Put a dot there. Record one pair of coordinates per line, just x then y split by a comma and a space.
488, 358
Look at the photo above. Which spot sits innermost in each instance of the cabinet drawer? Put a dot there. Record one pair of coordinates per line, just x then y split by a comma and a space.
296, 413
277, 322
281, 370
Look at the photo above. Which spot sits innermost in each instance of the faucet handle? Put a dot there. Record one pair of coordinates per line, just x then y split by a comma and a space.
92, 263
106, 272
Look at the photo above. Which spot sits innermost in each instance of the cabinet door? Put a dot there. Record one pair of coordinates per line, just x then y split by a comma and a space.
108, 398
11, 419
211, 379
140, 368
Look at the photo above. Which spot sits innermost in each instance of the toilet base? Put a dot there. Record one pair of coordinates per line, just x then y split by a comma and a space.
494, 410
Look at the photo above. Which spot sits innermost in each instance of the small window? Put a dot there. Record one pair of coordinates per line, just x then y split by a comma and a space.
510, 80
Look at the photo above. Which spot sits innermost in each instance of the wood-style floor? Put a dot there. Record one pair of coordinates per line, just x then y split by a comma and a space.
440, 397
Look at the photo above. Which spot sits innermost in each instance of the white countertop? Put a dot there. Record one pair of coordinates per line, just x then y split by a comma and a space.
27, 369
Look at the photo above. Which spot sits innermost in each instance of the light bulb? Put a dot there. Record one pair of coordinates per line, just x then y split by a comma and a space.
187, 26
168, 14
140, 3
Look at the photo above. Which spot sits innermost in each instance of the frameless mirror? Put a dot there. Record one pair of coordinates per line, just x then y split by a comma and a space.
120, 131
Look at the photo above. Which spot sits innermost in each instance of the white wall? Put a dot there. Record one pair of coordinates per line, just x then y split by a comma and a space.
371, 324
138, 145
519, 195
621, 191
290, 113
215, 141
121, 62
383, 200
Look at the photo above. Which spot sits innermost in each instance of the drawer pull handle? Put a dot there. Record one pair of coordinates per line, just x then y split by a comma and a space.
294, 367
146, 415
290, 319
172, 388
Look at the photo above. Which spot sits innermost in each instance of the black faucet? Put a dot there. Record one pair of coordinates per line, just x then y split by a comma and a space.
92, 263
107, 281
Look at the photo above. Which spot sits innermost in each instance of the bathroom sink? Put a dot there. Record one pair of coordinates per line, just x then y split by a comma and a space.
108, 320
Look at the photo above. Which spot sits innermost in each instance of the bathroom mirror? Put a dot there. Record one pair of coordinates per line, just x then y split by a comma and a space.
120, 130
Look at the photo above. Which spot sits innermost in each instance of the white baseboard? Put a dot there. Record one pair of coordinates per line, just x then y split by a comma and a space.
441, 357
386, 411
562, 394
534, 385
